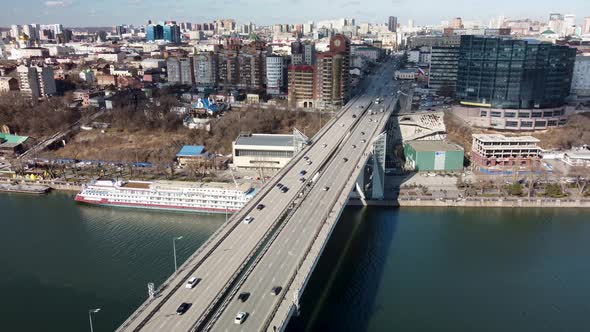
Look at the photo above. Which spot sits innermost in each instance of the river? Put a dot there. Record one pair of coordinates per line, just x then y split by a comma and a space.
410, 269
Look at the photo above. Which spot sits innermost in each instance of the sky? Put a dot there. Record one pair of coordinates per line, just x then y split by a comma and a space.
83, 13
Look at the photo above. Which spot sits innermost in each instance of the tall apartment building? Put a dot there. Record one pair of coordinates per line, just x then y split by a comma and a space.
303, 53
36, 82
444, 65
180, 71
332, 76
300, 86
275, 74
205, 66
242, 67
392, 24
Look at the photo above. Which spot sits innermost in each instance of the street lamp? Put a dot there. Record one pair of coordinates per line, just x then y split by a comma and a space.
90, 312
174, 249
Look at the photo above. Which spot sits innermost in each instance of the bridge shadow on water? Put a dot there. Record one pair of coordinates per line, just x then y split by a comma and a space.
341, 294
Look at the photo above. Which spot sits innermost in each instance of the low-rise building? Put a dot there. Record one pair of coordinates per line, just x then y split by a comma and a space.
494, 150
266, 150
433, 156
11, 145
405, 74
191, 154
513, 119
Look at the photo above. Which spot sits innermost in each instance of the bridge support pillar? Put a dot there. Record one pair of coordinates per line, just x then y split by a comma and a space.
378, 178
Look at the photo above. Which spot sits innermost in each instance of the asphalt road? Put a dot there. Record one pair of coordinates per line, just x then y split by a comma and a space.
281, 260
229, 252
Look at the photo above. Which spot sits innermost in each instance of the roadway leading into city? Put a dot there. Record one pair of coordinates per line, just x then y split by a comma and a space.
219, 263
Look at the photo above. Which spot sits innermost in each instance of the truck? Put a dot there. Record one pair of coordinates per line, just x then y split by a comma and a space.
315, 177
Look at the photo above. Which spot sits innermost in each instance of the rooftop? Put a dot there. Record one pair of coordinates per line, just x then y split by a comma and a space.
502, 138
12, 139
191, 151
265, 140
429, 146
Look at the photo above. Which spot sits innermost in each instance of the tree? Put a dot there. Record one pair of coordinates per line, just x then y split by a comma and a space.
554, 190
582, 175
515, 189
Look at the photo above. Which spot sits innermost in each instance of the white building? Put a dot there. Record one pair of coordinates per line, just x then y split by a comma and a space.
581, 77
275, 74
266, 150
111, 57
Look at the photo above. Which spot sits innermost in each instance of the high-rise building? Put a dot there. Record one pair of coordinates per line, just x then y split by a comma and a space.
205, 65
300, 86
15, 31
242, 67
392, 24
511, 73
275, 74
332, 76
302, 53
569, 24
154, 32
180, 71
36, 82
586, 26
581, 77
444, 65
457, 23
172, 32
120, 30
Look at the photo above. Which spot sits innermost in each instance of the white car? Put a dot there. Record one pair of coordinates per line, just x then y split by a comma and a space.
192, 282
248, 220
324, 145
240, 317
308, 162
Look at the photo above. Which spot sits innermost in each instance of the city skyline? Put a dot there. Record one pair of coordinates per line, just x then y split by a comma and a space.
79, 13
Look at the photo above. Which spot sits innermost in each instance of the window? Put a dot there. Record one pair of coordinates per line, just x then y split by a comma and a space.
540, 123
537, 114
510, 114
511, 124
496, 114
483, 114
552, 123
524, 115
526, 124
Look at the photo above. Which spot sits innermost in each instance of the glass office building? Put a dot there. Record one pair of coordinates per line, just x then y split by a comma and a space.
444, 63
513, 73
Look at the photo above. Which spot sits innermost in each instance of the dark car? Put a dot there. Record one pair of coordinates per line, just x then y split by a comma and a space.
362, 132
354, 116
260, 206
183, 308
284, 189
345, 159
276, 290
280, 185
243, 297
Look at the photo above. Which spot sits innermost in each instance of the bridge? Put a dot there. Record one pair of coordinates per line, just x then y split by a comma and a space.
280, 247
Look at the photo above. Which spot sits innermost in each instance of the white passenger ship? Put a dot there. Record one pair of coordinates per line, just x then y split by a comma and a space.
168, 195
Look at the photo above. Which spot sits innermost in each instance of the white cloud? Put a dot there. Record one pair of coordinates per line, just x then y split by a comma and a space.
58, 3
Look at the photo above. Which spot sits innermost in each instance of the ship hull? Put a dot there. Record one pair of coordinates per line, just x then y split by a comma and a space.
194, 209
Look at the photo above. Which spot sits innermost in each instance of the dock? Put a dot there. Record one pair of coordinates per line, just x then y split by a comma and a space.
24, 188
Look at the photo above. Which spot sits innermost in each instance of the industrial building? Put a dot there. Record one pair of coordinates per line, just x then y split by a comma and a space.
434, 156
266, 150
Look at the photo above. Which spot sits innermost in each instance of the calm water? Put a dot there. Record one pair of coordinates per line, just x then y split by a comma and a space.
384, 269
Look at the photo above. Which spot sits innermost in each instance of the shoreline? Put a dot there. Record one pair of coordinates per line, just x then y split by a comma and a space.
500, 202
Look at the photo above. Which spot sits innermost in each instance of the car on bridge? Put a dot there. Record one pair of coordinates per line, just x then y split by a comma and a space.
192, 282
249, 219
345, 159
243, 297
260, 206
280, 185
183, 308
240, 317
276, 290
326, 188
363, 141
302, 173
301, 180
284, 189
323, 146
308, 162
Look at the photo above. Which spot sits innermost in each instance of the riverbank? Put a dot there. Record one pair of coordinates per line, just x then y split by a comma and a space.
496, 202
24, 188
